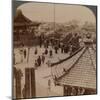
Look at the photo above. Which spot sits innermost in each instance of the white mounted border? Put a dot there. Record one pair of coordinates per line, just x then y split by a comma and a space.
6, 48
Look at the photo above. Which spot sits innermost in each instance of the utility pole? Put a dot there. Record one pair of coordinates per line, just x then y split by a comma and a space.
28, 54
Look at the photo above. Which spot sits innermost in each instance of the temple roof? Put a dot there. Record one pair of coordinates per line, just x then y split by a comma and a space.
21, 20
80, 69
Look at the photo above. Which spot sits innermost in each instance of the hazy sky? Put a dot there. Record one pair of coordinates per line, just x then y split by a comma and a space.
63, 13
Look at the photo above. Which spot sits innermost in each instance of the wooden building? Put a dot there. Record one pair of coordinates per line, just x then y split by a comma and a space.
23, 30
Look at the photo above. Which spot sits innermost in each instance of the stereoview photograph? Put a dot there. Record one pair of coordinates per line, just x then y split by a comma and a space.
54, 50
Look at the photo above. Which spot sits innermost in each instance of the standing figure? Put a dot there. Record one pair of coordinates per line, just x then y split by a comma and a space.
35, 51
70, 50
46, 51
66, 49
25, 53
49, 63
56, 49
62, 48
75, 42
73, 92
36, 64
40, 41
39, 61
21, 53
49, 86
43, 58
47, 43
50, 53
23, 91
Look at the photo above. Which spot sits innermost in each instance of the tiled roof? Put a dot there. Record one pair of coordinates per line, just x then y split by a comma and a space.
21, 20
81, 70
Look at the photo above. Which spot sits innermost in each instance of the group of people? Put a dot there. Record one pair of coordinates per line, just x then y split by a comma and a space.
70, 46
69, 43
23, 54
40, 60
72, 91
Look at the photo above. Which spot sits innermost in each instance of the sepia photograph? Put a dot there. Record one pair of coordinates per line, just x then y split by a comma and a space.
54, 49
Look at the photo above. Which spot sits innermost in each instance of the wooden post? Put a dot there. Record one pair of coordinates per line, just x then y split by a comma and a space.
33, 88
27, 82
28, 54
30, 83
64, 90
18, 83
